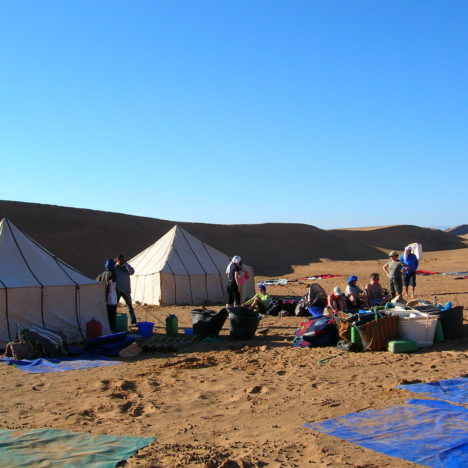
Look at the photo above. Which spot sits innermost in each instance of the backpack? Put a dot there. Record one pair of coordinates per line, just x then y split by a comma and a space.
319, 331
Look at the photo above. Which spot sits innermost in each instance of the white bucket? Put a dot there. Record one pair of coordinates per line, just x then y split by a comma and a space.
418, 327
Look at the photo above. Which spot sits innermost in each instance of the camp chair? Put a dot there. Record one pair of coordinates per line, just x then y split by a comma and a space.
317, 295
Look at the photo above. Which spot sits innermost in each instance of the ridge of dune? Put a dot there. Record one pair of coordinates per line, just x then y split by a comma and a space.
84, 238
459, 230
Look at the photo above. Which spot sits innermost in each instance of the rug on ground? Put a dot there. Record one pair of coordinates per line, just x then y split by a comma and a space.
59, 448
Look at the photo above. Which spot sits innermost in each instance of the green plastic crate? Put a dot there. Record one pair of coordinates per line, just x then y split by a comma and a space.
402, 346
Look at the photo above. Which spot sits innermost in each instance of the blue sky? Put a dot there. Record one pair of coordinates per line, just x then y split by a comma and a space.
331, 113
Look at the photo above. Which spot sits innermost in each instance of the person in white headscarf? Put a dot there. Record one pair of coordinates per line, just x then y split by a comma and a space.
233, 287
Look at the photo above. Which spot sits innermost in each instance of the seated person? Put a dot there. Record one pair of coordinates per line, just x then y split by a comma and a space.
260, 302
355, 296
336, 300
376, 295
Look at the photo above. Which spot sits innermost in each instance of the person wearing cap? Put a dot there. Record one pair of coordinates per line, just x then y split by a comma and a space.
394, 269
233, 286
124, 270
355, 296
411, 263
260, 302
108, 277
375, 293
336, 300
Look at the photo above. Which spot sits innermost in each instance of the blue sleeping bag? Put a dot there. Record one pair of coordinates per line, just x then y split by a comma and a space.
109, 345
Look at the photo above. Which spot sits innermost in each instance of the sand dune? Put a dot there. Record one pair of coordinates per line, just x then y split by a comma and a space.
458, 230
396, 237
85, 238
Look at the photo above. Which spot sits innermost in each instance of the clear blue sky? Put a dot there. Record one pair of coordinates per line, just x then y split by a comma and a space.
335, 113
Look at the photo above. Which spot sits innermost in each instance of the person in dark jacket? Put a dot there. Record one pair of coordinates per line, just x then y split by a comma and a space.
108, 277
123, 271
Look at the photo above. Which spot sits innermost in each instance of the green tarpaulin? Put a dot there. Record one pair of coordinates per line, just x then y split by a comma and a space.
59, 448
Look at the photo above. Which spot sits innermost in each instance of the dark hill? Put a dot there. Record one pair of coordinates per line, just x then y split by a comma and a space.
85, 238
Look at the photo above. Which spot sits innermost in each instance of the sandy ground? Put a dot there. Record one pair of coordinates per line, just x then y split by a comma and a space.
244, 404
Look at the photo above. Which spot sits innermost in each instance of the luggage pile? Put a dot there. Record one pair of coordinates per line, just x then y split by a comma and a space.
394, 327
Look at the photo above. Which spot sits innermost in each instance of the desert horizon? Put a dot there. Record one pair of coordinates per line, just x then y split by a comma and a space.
85, 238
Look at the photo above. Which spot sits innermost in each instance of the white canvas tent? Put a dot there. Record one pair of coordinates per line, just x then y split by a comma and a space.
37, 288
181, 269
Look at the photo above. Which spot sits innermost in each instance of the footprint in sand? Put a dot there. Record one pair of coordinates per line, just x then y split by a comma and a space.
257, 389
124, 385
103, 385
40, 387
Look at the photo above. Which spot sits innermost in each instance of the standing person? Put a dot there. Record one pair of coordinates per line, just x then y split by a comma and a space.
123, 271
233, 287
409, 276
243, 277
394, 269
108, 277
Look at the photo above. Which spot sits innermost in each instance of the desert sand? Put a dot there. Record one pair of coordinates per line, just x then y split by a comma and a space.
231, 403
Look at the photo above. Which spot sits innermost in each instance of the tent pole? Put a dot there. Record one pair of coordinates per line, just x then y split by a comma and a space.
6, 310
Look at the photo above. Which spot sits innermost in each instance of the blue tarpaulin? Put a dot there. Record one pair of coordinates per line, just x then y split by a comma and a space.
59, 448
60, 364
432, 433
455, 390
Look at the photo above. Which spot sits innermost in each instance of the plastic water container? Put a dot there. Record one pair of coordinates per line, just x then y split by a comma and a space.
121, 323
355, 336
93, 329
145, 328
439, 332
172, 325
